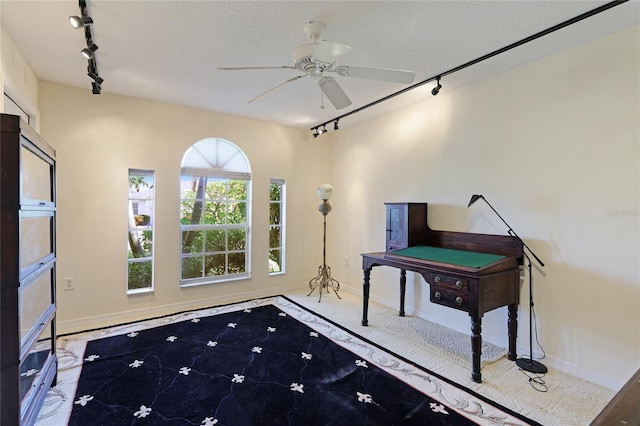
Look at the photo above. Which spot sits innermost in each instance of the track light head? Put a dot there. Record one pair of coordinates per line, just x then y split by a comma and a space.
88, 51
436, 89
80, 21
315, 133
95, 88
323, 130
335, 125
99, 80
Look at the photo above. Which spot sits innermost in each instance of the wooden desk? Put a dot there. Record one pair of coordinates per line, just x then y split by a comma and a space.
471, 289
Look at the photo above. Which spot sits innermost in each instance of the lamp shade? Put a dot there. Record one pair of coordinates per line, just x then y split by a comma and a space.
325, 191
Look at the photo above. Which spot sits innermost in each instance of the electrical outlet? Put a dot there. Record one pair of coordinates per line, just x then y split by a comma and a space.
69, 283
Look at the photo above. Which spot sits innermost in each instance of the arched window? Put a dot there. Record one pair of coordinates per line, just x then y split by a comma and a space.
215, 192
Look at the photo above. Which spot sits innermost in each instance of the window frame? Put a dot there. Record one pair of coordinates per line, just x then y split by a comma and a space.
221, 161
282, 225
141, 228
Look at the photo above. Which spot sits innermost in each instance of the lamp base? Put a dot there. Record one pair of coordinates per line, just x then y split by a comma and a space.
324, 282
531, 365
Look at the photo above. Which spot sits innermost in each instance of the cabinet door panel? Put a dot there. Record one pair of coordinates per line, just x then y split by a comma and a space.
397, 226
37, 175
34, 298
33, 365
36, 237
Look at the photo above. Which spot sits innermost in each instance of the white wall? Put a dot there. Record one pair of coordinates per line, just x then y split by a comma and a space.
99, 137
17, 79
554, 147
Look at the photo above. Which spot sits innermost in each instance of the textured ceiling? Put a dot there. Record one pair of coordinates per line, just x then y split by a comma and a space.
170, 51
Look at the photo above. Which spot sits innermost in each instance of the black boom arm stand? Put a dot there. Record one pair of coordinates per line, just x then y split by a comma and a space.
527, 364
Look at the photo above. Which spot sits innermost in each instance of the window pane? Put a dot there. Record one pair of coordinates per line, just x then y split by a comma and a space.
237, 239
192, 241
140, 274
275, 192
140, 244
236, 263
216, 190
191, 212
215, 240
215, 213
236, 213
275, 260
191, 267
274, 214
214, 265
274, 237
237, 190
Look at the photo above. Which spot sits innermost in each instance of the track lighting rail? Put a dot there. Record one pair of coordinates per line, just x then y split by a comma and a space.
525, 40
85, 21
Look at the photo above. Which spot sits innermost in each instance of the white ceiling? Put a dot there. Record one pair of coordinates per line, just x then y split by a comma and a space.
169, 51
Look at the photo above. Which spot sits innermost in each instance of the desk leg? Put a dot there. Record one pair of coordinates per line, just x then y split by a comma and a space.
365, 296
476, 348
513, 331
403, 289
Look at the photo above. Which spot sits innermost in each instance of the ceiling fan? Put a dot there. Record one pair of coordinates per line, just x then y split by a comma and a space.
316, 59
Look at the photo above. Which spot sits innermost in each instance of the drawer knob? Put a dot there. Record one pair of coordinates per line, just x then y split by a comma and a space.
458, 284
459, 300
437, 279
437, 295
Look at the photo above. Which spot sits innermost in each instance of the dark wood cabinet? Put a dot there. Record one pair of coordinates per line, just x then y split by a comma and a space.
406, 224
28, 363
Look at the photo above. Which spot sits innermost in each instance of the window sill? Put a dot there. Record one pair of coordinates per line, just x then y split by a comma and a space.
213, 280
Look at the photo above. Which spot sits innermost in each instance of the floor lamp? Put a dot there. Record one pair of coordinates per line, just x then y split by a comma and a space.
324, 280
527, 364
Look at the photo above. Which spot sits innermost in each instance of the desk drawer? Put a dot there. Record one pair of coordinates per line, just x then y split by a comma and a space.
448, 281
443, 295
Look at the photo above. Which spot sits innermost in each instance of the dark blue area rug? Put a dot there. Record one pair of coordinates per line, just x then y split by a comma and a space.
264, 362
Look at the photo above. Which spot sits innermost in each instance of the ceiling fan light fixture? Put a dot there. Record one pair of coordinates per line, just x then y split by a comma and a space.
88, 51
78, 22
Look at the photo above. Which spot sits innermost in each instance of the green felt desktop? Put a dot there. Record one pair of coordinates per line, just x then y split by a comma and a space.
465, 258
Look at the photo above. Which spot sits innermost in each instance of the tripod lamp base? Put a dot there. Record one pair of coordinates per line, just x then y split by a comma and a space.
531, 365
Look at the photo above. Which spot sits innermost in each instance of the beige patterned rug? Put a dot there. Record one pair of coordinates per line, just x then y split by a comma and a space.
568, 401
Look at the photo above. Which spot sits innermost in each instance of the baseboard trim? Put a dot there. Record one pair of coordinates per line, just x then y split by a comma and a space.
109, 320
555, 363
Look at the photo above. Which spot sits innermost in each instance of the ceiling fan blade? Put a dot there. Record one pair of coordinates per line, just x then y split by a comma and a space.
256, 68
328, 52
334, 92
273, 89
384, 74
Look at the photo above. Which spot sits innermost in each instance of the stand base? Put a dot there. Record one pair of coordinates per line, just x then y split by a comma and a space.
324, 281
531, 365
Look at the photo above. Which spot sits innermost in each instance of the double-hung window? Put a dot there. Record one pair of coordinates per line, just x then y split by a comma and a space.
140, 230
214, 213
276, 226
